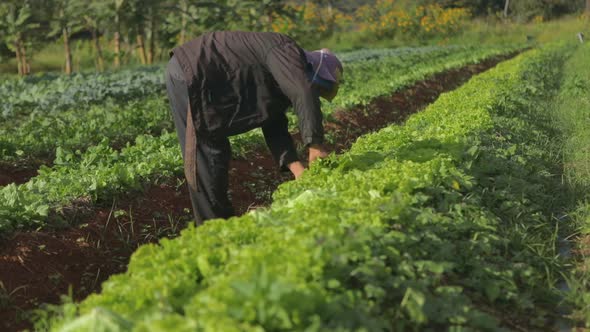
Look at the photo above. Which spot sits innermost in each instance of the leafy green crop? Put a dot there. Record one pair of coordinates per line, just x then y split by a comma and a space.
80, 125
425, 226
98, 172
399, 52
40, 136
50, 93
28, 205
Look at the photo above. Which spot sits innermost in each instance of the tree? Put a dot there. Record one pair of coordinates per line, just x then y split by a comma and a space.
120, 17
116, 8
67, 19
183, 7
16, 22
506, 8
93, 20
138, 16
154, 11
142, 20
192, 17
254, 14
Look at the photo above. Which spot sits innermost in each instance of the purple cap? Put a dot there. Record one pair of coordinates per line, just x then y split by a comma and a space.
328, 64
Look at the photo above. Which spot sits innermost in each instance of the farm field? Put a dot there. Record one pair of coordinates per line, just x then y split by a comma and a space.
109, 223
103, 171
403, 222
450, 219
455, 199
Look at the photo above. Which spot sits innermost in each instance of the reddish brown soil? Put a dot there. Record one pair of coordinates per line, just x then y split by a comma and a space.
40, 266
37, 267
16, 174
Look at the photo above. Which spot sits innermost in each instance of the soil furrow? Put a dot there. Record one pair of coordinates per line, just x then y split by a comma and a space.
17, 173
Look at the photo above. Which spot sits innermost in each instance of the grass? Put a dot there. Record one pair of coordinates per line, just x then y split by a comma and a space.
52, 59
499, 32
6, 296
489, 31
572, 117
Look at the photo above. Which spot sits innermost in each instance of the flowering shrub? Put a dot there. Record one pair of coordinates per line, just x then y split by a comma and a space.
385, 19
310, 20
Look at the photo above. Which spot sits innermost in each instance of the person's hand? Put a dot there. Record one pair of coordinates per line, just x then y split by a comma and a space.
296, 168
316, 151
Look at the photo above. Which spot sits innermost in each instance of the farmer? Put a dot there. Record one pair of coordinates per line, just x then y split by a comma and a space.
226, 83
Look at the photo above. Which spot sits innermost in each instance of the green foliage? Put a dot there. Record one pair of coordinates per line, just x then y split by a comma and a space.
43, 94
82, 177
417, 227
571, 116
16, 20
44, 99
525, 10
39, 135
364, 80
191, 18
521, 9
100, 172
164, 24
66, 16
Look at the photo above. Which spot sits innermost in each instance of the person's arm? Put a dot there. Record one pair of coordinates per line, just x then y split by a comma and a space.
280, 144
297, 169
316, 151
287, 64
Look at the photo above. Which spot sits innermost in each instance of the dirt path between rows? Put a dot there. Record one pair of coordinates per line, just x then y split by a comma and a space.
11, 173
38, 267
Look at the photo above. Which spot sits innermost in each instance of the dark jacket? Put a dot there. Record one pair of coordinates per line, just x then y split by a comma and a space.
243, 80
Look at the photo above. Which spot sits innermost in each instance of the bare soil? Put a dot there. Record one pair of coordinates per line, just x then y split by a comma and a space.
11, 173
40, 266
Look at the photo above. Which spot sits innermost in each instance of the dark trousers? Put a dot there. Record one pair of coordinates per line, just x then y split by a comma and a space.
209, 200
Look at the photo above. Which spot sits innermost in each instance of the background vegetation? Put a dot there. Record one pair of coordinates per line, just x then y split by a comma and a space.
77, 35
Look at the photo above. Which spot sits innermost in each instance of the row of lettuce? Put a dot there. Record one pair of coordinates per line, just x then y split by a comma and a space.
41, 132
442, 223
102, 171
48, 93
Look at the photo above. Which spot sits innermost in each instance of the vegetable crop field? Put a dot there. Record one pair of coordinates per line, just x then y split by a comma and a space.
455, 199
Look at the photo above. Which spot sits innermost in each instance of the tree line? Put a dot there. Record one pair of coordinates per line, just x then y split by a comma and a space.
151, 26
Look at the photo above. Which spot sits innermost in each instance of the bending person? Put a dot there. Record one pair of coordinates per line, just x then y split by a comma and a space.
226, 83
